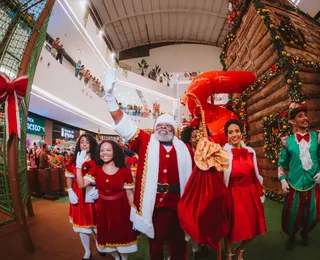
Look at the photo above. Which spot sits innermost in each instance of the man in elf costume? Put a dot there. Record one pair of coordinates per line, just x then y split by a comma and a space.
164, 167
299, 155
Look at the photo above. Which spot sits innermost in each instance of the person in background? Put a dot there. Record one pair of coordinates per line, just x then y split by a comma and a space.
189, 135
300, 155
45, 163
245, 185
81, 72
114, 182
77, 69
60, 54
54, 47
86, 77
90, 82
102, 92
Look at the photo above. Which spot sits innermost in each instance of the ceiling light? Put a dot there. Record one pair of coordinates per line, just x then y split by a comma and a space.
113, 54
101, 33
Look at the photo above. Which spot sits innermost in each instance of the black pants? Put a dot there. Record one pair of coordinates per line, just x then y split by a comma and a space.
59, 57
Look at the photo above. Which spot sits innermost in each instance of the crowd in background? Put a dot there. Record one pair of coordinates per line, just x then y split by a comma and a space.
80, 72
42, 157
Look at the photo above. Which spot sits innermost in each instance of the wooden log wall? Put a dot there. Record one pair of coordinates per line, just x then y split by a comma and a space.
253, 50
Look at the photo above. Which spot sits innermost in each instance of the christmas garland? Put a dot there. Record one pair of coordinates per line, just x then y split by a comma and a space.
274, 127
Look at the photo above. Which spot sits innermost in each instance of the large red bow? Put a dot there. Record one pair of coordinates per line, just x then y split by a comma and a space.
305, 137
9, 93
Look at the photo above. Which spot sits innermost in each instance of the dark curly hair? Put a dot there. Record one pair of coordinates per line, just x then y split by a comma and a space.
186, 133
93, 147
233, 122
118, 154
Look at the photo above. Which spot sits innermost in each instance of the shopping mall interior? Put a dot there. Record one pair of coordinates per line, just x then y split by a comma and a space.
201, 61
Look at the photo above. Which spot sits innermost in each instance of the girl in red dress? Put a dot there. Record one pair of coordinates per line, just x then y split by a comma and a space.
115, 234
82, 215
245, 185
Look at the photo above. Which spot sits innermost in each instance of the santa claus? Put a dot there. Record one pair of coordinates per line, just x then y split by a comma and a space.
164, 167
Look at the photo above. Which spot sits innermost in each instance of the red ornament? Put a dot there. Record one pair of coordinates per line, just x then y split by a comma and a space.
273, 67
10, 92
283, 114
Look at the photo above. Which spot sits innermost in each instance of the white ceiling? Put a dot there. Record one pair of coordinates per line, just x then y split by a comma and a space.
132, 23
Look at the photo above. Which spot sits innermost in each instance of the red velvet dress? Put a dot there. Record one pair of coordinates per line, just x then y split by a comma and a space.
248, 218
82, 215
114, 228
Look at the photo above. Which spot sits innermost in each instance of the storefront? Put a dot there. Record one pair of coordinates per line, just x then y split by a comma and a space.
35, 129
64, 136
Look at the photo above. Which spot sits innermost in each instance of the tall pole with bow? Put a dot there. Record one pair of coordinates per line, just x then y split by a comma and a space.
12, 93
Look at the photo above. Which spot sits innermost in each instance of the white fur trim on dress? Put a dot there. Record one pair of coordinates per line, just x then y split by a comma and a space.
69, 175
226, 174
144, 223
121, 249
126, 128
85, 230
304, 155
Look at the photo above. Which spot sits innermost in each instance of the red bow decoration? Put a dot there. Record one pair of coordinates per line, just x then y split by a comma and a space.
10, 92
305, 137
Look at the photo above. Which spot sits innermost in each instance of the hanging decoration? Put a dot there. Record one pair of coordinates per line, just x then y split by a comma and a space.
86, 15
10, 93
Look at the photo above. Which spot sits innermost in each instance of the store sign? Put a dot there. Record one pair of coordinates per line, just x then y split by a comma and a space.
67, 133
36, 125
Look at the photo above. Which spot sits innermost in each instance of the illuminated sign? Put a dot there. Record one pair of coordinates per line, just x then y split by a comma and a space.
36, 125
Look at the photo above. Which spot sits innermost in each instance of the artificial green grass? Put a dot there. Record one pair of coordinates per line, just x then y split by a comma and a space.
270, 246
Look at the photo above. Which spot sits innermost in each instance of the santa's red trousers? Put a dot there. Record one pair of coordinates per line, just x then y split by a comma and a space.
167, 228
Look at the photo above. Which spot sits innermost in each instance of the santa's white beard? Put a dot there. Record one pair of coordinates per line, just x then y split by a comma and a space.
167, 137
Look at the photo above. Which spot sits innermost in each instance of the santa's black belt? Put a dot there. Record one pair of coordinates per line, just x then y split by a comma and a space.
166, 188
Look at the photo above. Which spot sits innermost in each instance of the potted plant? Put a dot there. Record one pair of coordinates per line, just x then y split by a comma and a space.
154, 73
143, 65
167, 77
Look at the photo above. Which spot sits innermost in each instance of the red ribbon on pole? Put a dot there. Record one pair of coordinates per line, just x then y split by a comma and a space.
10, 92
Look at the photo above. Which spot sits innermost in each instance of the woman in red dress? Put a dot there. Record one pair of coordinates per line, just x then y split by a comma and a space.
82, 215
115, 234
245, 185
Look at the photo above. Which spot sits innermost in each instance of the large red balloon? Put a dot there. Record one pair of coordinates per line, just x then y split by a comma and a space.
216, 82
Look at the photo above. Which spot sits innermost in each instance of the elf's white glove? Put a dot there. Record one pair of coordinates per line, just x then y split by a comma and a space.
94, 194
73, 198
81, 158
317, 178
285, 186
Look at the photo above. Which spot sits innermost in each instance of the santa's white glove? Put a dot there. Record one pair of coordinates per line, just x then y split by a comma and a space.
73, 198
94, 194
109, 81
317, 178
81, 158
285, 186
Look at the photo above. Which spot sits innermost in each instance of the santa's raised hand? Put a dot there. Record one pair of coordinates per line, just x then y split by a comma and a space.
109, 81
